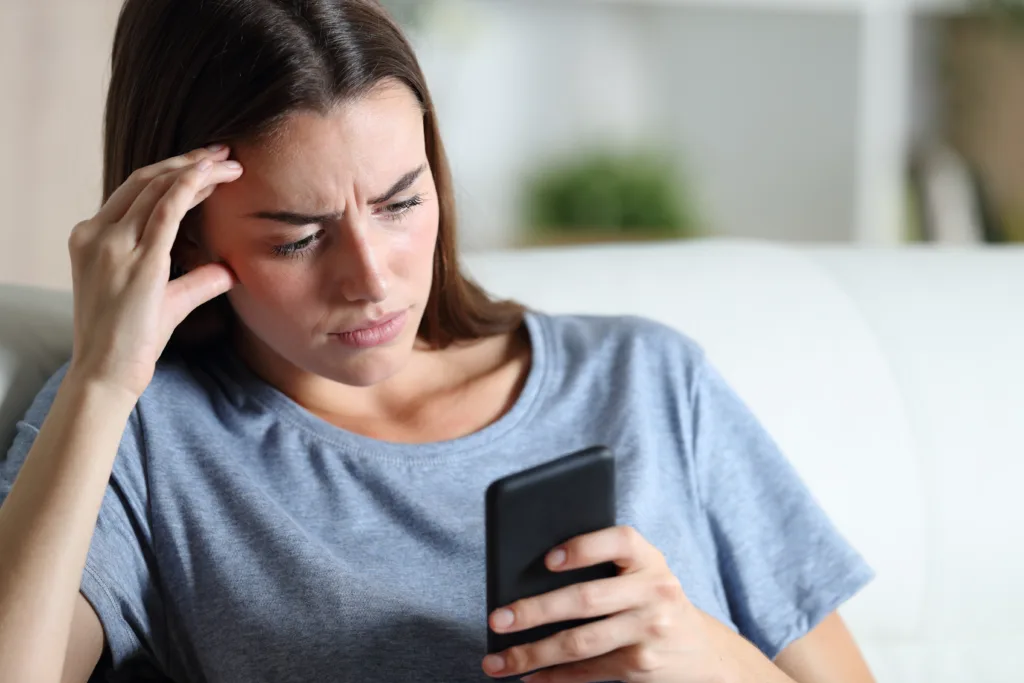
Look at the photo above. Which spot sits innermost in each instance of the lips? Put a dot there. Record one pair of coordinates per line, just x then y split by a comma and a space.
371, 324
374, 333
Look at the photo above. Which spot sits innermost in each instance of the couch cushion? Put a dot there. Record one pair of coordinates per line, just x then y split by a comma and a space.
35, 340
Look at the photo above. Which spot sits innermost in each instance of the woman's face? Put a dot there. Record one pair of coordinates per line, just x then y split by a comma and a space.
331, 232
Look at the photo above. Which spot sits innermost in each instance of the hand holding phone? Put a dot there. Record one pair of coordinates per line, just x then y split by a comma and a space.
528, 515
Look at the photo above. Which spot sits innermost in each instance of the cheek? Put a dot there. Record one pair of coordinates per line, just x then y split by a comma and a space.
273, 301
277, 300
413, 249
263, 278
284, 282
268, 285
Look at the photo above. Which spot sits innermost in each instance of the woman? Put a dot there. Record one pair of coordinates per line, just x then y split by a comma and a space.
292, 489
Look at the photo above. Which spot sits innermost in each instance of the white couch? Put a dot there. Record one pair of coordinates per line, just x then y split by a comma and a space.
893, 379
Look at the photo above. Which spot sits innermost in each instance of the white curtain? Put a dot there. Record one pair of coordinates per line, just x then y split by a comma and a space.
54, 66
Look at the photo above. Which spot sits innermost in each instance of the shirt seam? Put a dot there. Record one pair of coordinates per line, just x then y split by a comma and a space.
31, 426
155, 574
805, 618
698, 381
111, 600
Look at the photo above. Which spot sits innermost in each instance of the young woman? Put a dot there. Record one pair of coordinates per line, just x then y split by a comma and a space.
267, 457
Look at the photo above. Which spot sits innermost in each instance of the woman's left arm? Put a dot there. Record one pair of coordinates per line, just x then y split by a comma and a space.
828, 654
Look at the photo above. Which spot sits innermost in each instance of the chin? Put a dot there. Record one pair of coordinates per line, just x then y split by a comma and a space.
366, 368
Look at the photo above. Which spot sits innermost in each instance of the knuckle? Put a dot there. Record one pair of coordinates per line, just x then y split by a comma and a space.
194, 155
143, 176
195, 178
661, 625
168, 179
668, 588
517, 659
162, 212
588, 596
579, 643
630, 537
642, 660
108, 252
191, 180
79, 236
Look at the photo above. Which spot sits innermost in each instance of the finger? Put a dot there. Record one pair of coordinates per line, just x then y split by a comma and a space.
134, 222
203, 195
124, 196
621, 545
573, 645
615, 666
223, 172
195, 288
581, 601
142, 210
164, 220
591, 671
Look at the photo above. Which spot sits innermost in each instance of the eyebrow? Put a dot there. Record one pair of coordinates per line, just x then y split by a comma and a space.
300, 219
403, 184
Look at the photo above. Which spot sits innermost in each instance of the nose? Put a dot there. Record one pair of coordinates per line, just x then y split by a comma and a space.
361, 261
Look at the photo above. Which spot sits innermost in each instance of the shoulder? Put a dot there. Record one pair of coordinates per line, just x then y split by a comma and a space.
620, 338
176, 383
623, 358
182, 408
40, 406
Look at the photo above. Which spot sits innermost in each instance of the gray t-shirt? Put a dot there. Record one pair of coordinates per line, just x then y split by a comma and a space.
244, 539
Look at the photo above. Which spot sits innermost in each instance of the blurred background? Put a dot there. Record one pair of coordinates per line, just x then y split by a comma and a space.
874, 122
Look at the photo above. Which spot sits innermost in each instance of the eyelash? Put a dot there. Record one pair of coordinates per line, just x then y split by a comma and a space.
398, 210
297, 248
392, 212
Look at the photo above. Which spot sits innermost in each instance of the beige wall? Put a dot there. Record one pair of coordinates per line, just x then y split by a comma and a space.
53, 70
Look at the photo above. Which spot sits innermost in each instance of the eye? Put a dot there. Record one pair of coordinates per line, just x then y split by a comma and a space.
298, 248
395, 212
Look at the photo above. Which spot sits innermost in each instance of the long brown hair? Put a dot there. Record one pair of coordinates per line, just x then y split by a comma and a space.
188, 73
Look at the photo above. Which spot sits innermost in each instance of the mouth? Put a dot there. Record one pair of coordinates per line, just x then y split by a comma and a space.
371, 324
371, 333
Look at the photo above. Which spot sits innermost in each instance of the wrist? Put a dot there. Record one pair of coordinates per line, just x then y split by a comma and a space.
739, 661
83, 386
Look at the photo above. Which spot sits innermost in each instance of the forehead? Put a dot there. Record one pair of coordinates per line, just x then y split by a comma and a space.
311, 158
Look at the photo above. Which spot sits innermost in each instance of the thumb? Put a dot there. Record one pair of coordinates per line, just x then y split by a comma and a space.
195, 288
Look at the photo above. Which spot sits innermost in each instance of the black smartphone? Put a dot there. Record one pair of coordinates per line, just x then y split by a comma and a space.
528, 515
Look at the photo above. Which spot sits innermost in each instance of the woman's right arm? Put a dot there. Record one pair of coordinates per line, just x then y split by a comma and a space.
125, 310
46, 525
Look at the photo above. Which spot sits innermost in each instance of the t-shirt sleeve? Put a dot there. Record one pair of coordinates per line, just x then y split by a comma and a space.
784, 565
117, 580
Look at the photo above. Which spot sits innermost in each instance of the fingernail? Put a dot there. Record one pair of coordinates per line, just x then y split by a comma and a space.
504, 618
204, 166
232, 165
494, 663
216, 148
557, 558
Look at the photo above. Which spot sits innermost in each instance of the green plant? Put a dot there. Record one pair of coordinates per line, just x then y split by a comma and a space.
604, 193
1013, 9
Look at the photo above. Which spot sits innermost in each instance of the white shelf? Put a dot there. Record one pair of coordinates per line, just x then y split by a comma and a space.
824, 6
883, 132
